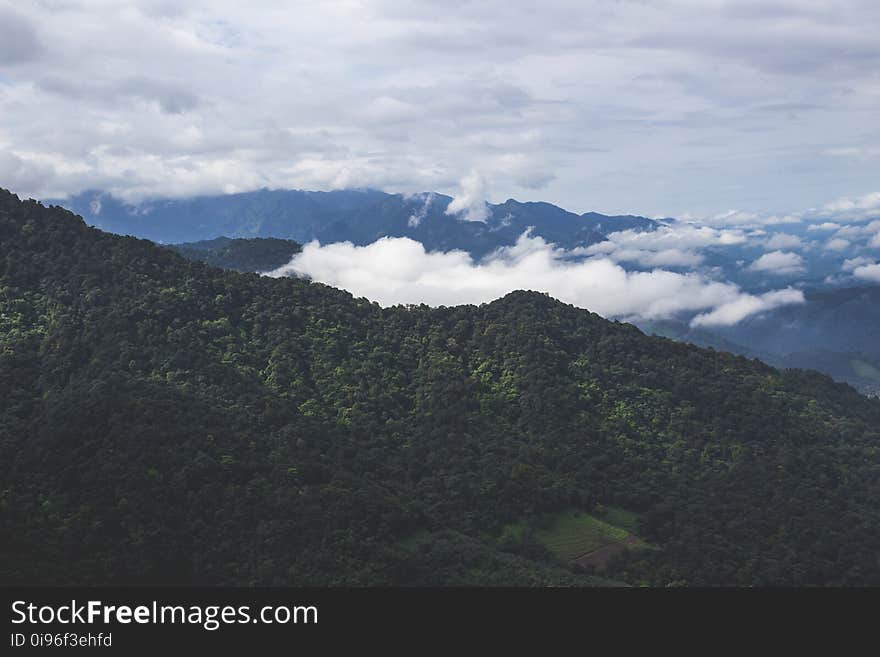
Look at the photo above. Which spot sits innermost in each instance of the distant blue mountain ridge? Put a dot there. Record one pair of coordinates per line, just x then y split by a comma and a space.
357, 216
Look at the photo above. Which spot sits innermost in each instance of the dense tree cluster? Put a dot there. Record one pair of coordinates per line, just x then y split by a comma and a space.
163, 420
248, 255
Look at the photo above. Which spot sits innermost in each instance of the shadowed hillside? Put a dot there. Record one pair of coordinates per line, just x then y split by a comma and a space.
246, 255
165, 421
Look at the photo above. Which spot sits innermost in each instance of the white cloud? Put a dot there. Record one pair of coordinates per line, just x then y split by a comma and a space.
779, 262
732, 218
385, 110
676, 245
416, 217
661, 258
868, 272
783, 241
827, 225
872, 230
742, 219
470, 202
852, 264
400, 271
870, 233
735, 311
837, 244
855, 208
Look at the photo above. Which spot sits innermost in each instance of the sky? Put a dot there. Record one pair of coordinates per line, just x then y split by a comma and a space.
755, 123
689, 108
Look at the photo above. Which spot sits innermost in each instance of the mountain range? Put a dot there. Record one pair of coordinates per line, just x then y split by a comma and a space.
360, 217
167, 421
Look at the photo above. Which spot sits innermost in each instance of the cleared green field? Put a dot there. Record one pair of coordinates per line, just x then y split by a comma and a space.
571, 533
622, 518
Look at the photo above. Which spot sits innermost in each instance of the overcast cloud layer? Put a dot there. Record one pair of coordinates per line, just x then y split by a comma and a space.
669, 107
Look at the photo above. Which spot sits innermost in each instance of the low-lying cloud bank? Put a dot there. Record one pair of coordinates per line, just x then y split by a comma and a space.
862, 207
399, 271
779, 262
668, 246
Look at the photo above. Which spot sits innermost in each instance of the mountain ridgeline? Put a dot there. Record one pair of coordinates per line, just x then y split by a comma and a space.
835, 331
360, 217
167, 421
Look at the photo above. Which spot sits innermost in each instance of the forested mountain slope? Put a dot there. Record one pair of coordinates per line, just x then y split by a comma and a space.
836, 332
165, 421
251, 255
849, 354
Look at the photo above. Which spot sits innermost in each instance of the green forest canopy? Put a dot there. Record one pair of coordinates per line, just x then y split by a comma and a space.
166, 421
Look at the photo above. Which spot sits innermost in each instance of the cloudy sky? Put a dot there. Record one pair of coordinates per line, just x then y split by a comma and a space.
699, 108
